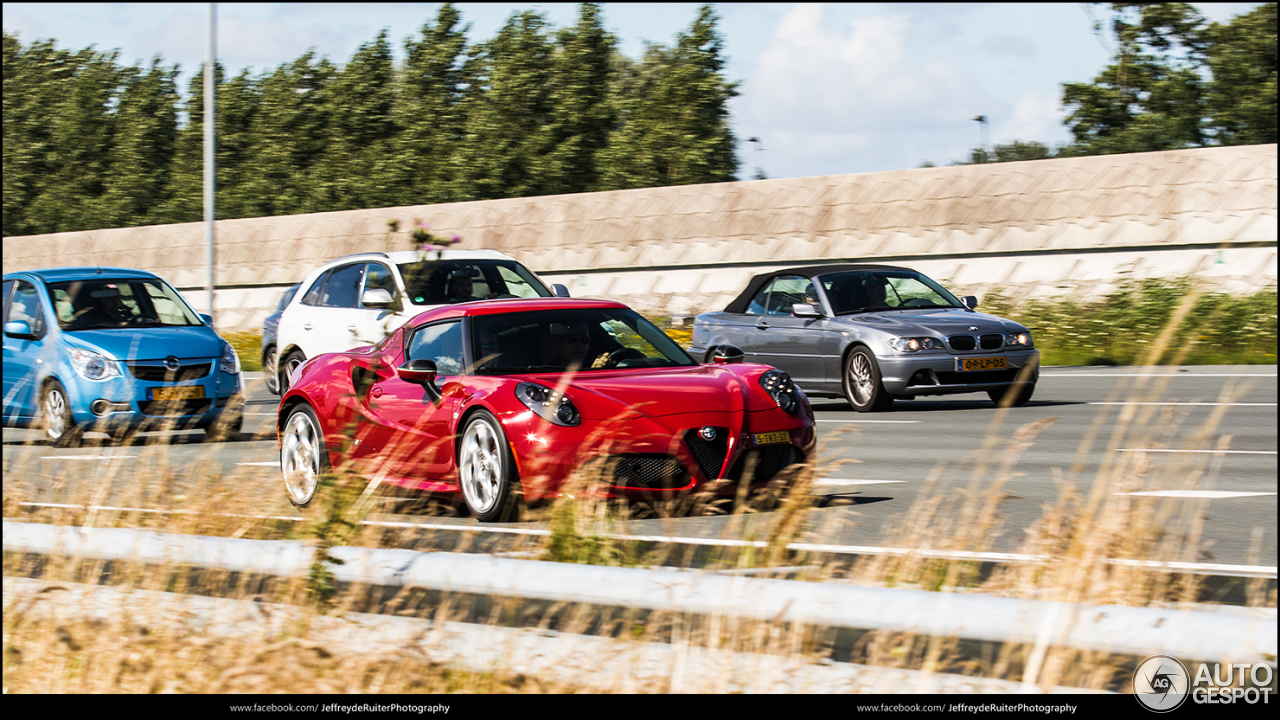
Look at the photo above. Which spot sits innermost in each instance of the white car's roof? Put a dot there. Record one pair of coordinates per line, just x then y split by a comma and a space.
407, 256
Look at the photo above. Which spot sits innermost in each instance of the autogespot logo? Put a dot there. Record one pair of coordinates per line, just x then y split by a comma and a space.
1161, 683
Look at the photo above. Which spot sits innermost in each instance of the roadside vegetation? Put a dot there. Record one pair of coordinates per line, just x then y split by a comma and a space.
1122, 327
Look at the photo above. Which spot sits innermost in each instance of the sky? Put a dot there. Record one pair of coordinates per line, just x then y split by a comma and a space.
826, 89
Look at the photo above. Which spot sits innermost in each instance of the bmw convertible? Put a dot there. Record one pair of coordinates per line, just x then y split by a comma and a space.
874, 334
500, 399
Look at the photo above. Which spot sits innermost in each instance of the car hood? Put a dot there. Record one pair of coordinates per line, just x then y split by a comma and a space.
941, 321
602, 395
150, 343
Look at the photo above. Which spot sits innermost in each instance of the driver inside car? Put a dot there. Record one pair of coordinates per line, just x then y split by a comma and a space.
566, 344
109, 309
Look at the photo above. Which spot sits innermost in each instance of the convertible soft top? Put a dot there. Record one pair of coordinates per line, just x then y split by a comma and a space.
739, 304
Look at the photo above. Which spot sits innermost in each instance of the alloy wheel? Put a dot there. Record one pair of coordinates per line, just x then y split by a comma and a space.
481, 466
300, 457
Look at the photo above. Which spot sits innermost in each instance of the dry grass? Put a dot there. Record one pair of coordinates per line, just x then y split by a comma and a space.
52, 648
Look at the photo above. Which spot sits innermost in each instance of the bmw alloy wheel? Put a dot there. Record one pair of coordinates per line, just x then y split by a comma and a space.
301, 456
861, 381
482, 466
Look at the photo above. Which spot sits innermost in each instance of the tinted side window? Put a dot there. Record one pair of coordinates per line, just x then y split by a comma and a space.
317, 290
8, 285
441, 344
25, 306
343, 288
378, 276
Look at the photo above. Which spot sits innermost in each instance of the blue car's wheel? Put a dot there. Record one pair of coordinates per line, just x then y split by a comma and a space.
59, 426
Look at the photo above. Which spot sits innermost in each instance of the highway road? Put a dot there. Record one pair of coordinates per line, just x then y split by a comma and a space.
1188, 447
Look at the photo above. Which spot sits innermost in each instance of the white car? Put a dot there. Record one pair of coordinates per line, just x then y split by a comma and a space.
359, 299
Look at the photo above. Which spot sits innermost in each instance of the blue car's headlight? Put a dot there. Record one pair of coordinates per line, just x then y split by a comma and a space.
93, 366
229, 362
779, 386
555, 408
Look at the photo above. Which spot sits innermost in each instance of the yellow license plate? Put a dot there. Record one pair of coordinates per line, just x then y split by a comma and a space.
980, 363
184, 392
773, 437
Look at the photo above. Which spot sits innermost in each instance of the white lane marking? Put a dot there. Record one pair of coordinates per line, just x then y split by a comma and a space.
1260, 570
1187, 403
870, 421
86, 457
272, 463
1232, 452
161, 511
1208, 494
838, 481
1156, 375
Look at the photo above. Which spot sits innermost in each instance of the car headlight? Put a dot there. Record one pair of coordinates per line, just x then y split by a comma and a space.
1022, 339
554, 407
229, 362
915, 344
93, 366
784, 392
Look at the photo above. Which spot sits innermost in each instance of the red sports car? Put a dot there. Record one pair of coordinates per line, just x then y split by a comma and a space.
494, 398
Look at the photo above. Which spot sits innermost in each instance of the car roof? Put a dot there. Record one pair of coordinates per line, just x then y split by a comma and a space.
87, 273
499, 307
739, 304
399, 257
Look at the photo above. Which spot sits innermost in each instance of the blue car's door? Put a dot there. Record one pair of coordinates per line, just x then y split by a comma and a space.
22, 356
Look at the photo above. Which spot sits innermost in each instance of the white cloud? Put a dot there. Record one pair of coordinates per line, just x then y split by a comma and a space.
1036, 116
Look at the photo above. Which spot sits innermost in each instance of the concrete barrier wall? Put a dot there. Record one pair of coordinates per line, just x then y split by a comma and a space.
1049, 226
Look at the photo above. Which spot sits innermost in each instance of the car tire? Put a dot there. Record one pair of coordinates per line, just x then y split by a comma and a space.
56, 421
1016, 395
303, 456
224, 430
486, 471
270, 371
862, 385
287, 366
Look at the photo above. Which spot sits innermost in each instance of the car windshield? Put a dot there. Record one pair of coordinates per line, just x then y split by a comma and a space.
438, 282
108, 303
876, 290
557, 340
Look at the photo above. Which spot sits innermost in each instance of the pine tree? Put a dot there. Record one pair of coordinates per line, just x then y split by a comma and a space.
581, 115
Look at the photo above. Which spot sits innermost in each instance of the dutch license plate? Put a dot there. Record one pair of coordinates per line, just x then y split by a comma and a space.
773, 437
980, 363
183, 392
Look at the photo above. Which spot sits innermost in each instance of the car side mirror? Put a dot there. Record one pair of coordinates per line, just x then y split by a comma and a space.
377, 298
421, 372
560, 290
207, 318
805, 310
970, 301
19, 329
728, 355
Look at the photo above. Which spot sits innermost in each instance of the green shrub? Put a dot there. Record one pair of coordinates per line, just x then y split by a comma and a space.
1120, 328
248, 346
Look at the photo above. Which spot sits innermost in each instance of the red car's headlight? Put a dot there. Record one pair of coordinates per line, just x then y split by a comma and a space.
555, 408
779, 386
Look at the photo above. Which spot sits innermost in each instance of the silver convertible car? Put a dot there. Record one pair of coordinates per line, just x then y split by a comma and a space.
871, 333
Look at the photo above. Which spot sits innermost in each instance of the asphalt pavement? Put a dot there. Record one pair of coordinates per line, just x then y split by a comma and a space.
1192, 448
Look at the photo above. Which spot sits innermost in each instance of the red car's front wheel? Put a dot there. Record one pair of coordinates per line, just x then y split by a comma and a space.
486, 470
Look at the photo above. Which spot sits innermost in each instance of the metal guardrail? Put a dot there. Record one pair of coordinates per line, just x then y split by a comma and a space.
1128, 630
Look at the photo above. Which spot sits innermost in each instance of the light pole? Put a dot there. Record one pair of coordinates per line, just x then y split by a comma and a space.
210, 92
759, 147
986, 134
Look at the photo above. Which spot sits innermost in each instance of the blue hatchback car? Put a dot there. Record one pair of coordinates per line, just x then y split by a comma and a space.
113, 350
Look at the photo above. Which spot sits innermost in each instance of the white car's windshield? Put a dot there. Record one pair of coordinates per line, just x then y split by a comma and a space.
438, 282
586, 339
110, 303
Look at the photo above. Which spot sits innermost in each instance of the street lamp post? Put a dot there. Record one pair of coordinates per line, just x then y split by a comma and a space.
210, 92
986, 133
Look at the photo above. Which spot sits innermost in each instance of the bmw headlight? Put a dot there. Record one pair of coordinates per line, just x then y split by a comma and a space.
229, 362
554, 407
93, 366
1021, 339
915, 344
784, 392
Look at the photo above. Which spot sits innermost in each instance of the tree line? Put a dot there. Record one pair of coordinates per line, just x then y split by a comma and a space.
1175, 81
89, 143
